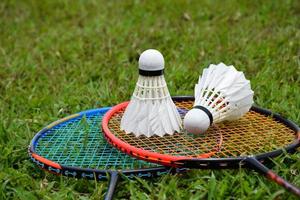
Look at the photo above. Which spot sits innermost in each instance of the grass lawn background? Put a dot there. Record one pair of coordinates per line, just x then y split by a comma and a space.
62, 57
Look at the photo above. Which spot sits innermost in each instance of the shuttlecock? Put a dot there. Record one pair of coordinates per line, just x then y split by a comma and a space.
222, 93
151, 110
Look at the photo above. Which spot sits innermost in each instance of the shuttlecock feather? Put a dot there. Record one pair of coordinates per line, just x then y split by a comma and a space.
151, 110
222, 93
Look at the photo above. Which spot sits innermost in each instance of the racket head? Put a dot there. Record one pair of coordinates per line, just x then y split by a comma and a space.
259, 133
74, 146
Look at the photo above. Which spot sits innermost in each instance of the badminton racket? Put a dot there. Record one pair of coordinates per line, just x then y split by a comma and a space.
74, 146
247, 142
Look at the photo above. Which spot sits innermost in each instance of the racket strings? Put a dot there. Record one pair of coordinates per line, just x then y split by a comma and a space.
253, 134
178, 144
80, 143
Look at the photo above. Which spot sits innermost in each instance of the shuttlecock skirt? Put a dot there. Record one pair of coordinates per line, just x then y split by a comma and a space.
151, 110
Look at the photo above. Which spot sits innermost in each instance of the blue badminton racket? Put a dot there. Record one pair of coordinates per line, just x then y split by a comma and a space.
74, 146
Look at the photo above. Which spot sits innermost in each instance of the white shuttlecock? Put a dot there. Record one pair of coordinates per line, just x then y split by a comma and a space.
151, 110
222, 93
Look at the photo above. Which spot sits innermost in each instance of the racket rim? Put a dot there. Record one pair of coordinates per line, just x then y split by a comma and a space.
183, 161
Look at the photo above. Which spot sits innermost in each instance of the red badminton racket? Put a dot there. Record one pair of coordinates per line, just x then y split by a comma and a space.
257, 136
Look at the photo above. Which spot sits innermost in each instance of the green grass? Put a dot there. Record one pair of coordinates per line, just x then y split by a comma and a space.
61, 57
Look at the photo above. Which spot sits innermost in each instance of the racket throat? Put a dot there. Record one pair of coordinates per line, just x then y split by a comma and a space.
114, 176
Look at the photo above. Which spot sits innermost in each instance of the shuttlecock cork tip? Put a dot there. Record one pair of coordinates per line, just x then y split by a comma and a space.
196, 121
151, 60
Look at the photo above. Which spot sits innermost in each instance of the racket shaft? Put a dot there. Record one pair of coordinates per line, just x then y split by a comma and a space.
114, 176
272, 176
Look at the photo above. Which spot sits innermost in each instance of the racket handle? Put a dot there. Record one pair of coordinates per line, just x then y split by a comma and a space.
272, 176
114, 176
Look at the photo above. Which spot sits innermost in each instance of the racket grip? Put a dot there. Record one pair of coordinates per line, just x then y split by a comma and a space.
272, 176
114, 176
